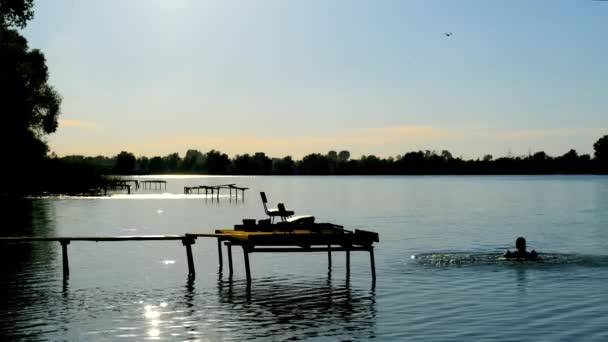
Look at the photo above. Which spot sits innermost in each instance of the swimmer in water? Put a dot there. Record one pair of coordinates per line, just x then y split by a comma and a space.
521, 252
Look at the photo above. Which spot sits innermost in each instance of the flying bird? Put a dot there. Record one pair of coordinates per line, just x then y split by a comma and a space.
448, 34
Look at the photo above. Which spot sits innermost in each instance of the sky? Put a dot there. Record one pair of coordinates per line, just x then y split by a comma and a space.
290, 77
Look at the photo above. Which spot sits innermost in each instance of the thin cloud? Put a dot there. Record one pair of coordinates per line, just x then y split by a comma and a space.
77, 123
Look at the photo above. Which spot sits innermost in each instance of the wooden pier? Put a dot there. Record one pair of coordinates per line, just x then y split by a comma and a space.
128, 181
215, 190
271, 238
121, 184
116, 186
282, 238
186, 240
154, 184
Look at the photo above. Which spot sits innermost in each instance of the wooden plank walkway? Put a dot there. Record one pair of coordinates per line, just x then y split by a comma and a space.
186, 240
281, 240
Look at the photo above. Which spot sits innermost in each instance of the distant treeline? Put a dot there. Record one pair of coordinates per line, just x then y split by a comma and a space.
341, 163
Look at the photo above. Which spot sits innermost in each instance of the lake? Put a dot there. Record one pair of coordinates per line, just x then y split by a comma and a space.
438, 272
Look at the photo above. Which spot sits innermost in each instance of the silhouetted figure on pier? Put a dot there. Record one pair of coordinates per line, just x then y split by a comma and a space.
521, 252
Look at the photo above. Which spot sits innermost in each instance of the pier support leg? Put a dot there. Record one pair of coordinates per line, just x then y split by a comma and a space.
347, 263
219, 253
372, 263
64, 253
247, 269
329, 257
229, 247
188, 243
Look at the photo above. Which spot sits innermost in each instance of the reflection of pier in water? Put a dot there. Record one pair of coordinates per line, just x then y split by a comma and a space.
317, 308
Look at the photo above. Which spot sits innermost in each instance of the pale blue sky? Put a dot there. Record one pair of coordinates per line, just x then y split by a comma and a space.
295, 77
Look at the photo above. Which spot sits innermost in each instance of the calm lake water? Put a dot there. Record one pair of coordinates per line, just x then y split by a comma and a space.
438, 273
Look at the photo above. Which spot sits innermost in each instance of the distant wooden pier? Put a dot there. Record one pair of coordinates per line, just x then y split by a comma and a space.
215, 189
128, 181
154, 184
116, 186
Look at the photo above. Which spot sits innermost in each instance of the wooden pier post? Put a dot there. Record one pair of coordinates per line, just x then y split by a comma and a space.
229, 246
188, 243
247, 269
372, 262
219, 253
329, 257
347, 263
64, 253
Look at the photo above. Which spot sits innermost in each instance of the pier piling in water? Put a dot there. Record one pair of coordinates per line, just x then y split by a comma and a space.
247, 269
188, 242
64, 255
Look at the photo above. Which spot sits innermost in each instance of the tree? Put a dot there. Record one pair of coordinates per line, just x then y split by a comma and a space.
29, 105
314, 164
16, 12
343, 156
332, 156
172, 162
285, 166
156, 165
262, 164
141, 165
216, 162
601, 149
242, 164
193, 161
125, 163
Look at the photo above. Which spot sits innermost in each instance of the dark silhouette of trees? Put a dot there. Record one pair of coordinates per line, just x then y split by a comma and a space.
125, 164
601, 152
172, 162
343, 156
16, 12
283, 166
193, 161
411, 163
314, 164
217, 162
29, 105
601, 148
156, 165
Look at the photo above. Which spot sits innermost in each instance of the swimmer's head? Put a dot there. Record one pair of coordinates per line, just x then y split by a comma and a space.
520, 244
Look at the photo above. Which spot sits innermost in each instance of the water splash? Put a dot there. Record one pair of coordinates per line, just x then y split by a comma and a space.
480, 259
